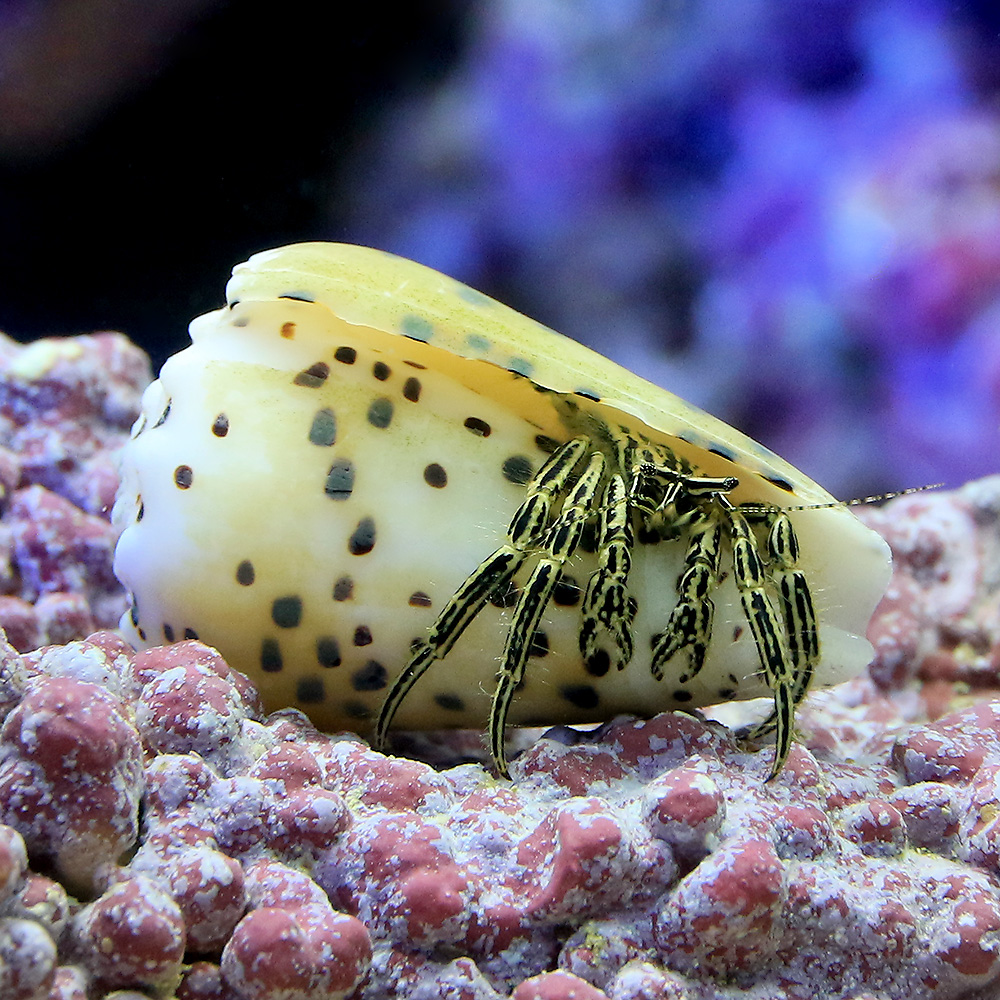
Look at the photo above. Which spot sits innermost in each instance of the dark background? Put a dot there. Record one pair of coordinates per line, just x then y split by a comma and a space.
127, 209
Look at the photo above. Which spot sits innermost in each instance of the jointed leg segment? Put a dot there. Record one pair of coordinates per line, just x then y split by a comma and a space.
531, 528
690, 623
607, 603
557, 546
547, 528
787, 640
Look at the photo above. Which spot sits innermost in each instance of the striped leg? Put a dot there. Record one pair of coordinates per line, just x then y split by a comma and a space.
528, 528
608, 608
796, 602
797, 609
687, 501
768, 628
690, 623
557, 546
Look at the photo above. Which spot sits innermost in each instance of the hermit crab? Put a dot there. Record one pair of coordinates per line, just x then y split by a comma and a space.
391, 500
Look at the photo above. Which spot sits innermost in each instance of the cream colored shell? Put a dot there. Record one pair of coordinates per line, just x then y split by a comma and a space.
338, 366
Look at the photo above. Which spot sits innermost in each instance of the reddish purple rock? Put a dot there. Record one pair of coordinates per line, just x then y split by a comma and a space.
66, 406
292, 862
646, 860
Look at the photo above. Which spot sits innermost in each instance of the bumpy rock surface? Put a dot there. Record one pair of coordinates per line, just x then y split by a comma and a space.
66, 405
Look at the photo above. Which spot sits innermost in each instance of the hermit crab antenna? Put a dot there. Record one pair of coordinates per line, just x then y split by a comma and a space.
857, 501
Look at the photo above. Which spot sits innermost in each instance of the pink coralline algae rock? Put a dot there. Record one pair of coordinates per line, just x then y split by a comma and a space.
131, 936
71, 775
940, 619
65, 409
557, 986
293, 944
161, 837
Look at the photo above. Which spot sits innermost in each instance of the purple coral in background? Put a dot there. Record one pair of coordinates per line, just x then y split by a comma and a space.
787, 213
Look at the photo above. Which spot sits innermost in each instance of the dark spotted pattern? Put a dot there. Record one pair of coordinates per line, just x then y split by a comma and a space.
288, 330
286, 612
588, 538
343, 589
183, 476
357, 710
727, 694
539, 644
345, 355
310, 691
245, 573
141, 512
580, 695
362, 636
270, 656
782, 484
371, 677
418, 599
505, 598
220, 426
381, 370
328, 651
411, 389
449, 702
362, 539
598, 664
323, 431
314, 376
566, 593
517, 469
546, 443
477, 426
340, 479
168, 632
681, 695
189, 633
380, 412
434, 475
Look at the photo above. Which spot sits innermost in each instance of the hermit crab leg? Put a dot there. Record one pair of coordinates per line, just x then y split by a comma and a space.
797, 607
559, 544
607, 601
796, 601
690, 623
526, 531
767, 626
